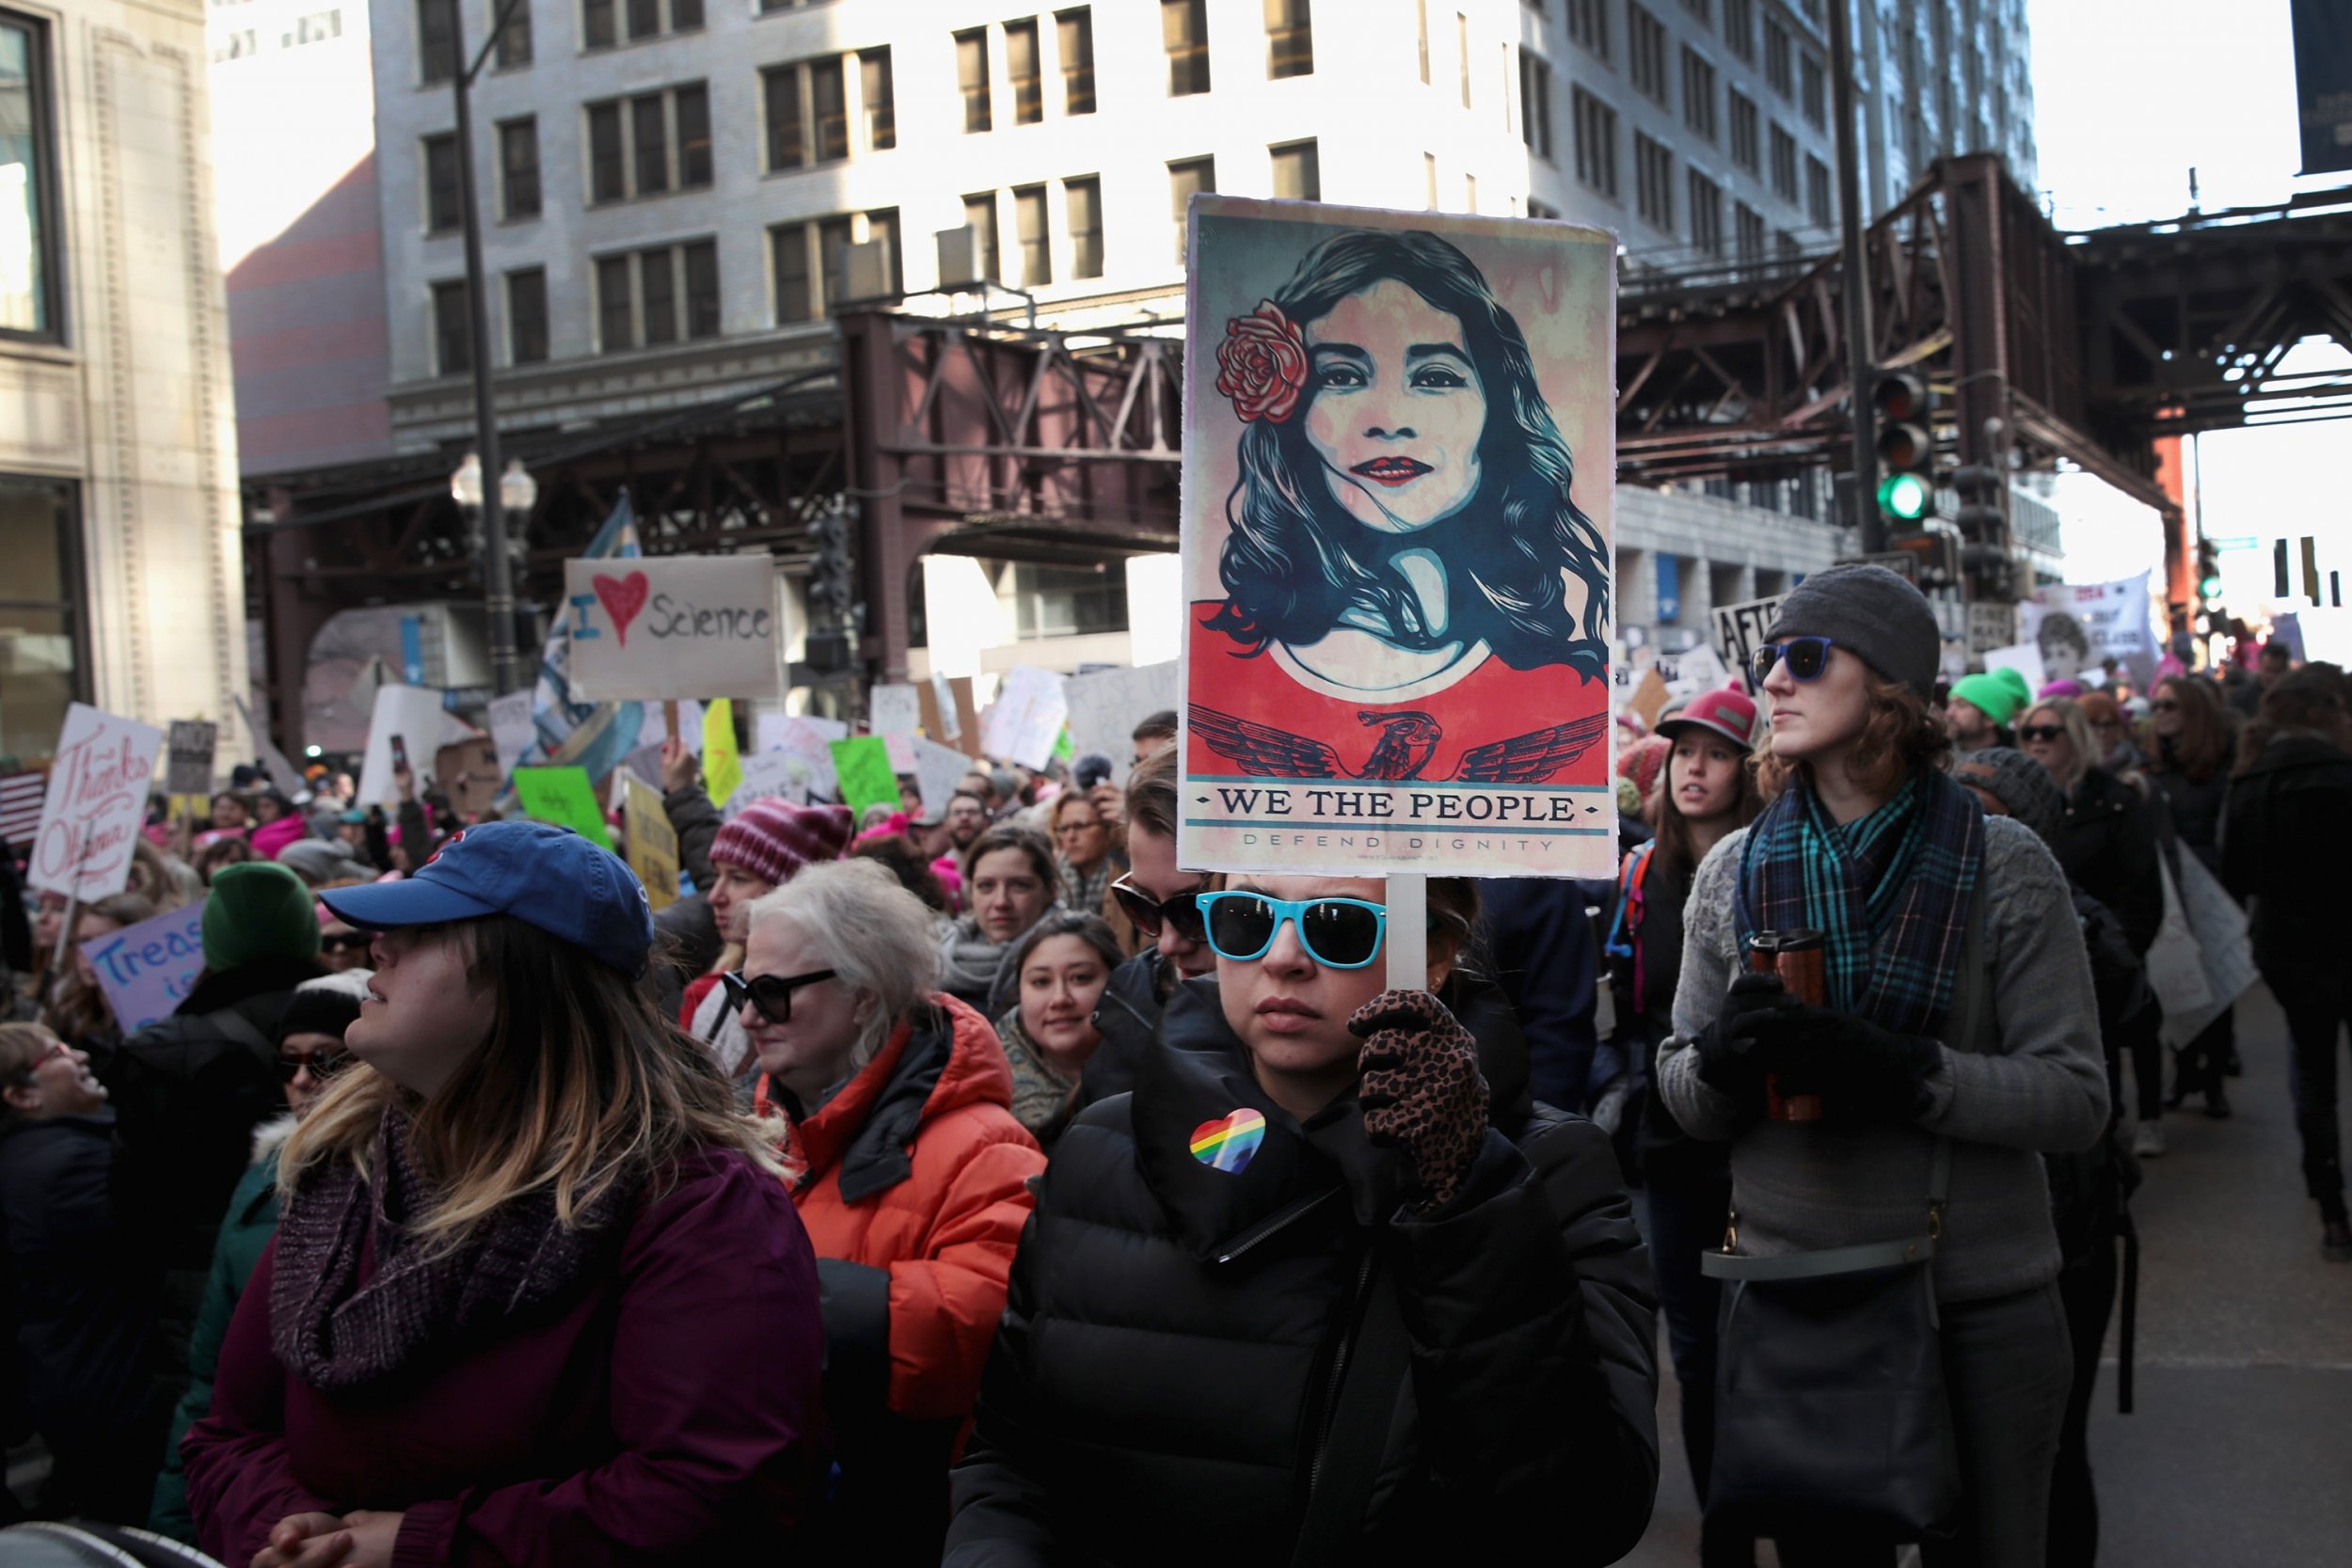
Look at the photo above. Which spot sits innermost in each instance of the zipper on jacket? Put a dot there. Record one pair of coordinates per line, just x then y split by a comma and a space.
1268, 1226
1340, 1357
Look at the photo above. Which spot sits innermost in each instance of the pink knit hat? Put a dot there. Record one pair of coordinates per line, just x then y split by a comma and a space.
774, 838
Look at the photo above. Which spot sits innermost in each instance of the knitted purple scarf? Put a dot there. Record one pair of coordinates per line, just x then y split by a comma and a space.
420, 1306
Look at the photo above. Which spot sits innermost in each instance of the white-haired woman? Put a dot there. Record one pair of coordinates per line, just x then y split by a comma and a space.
910, 1173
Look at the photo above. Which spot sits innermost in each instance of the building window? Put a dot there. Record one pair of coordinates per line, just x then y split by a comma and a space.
441, 204
519, 167
1784, 164
660, 143
971, 79
1461, 52
1698, 92
829, 110
876, 87
788, 140
1192, 177
1703, 9
1077, 33
514, 37
1817, 202
1420, 15
437, 40
811, 262
28, 251
1023, 68
1537, 209
1706, 214
1297, 173
41, 662
1739, 29
788, 247
980, 216
1646, 47
1535, 104
1816, 96
643, 19
1748, 225
453, 328
527, 316
1083, 199
663, 295
1067, 601
1746, 132
1035, 239
1588, 25
1289, 38
1596, 142
1185, 34
1776, 56
1653, 182
596, 30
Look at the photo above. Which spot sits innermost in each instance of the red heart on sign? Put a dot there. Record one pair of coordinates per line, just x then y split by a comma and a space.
623, 597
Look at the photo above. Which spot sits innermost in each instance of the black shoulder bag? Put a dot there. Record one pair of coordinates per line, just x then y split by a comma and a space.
1831, 1412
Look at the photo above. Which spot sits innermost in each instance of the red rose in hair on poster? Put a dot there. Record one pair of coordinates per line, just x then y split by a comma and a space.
1261, 364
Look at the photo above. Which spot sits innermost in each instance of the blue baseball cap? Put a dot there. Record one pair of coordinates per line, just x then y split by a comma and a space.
543, 875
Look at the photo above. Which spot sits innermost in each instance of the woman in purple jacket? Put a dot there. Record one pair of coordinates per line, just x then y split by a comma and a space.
538, 1295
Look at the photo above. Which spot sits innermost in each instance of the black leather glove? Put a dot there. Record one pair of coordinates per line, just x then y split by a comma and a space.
1864, 1074
1728, 1062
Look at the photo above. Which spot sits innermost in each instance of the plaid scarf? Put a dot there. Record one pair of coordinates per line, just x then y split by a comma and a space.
1890, 892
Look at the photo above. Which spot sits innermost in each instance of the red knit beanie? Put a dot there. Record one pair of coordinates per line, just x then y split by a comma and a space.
772, 838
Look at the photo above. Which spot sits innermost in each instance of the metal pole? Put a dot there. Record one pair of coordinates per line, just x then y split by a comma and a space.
1855, 281
497, 573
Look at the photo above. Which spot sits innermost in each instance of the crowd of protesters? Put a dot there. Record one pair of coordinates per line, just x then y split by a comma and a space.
878, 1199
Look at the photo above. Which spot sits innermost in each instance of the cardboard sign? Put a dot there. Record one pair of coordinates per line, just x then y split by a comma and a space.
1027, 718
722, 766
1990, 625
189, 769
282, 773
680, 626
95, 804
894, 710
149, 969
1105, 708
942, 700
938, 772
1357, 711
511, 730
563, 796
415, 714
1740, 629
1650, 697
652, 842
780, 775
963, 727
863, 766
468, 772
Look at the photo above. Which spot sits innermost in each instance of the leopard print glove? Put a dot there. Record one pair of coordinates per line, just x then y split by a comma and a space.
1422, 1090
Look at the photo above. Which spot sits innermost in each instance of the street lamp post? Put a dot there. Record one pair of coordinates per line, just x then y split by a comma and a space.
491, 512
497, 577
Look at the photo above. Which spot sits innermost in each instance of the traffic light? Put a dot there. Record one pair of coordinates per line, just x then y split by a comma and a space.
1983, 493
829, 585
2208, 574
1906, 449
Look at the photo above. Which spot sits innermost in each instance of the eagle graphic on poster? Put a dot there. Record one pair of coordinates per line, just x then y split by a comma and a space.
1407, 740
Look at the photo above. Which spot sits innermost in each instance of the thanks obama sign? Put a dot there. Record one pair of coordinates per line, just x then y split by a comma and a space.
681, 625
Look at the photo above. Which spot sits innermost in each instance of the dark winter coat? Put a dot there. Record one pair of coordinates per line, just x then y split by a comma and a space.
1128, 1015
695, 821
2196, 807
662, 1413
2087, 1187
1540, 943
2106, 844
1175, 1333
2287, 845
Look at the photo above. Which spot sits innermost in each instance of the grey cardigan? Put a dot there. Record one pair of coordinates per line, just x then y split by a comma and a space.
2031, 1082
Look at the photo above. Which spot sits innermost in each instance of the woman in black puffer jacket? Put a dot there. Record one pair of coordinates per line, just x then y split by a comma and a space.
1327, 1285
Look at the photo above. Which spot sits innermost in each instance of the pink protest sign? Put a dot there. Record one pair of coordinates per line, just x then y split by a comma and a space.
97, 800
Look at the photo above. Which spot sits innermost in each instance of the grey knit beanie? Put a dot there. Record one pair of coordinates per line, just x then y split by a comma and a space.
1874, 614
2019, 782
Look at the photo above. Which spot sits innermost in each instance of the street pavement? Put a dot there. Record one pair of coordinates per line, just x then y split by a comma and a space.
2239, 1451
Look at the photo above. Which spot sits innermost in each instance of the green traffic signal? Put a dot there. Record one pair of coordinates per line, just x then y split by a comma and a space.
2209, 588
1907, 496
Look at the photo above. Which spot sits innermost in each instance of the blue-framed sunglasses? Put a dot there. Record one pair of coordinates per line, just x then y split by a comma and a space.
1336, 933
1806, 657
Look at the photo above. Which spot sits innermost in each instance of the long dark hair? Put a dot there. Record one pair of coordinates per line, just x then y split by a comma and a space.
1295, 561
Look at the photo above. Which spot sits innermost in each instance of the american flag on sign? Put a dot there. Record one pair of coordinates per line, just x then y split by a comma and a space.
21, 795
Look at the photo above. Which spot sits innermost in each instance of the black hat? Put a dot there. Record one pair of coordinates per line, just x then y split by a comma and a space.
1872, 613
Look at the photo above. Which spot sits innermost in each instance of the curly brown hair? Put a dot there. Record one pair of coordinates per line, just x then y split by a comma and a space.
1899, 739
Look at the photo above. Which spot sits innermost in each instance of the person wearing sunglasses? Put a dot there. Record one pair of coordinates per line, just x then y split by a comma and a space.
1867, 840
909, 1172
537, 1294
310, 1053
1327, 1249
2191, 736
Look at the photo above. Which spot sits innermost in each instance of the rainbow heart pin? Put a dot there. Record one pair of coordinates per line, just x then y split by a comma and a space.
1227, 1143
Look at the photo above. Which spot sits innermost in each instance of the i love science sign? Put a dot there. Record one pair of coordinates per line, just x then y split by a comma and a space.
681, 625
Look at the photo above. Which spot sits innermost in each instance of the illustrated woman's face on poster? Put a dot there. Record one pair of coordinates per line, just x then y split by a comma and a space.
1397, 408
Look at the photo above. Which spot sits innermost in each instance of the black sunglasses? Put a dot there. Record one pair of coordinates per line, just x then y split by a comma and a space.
323, 1065
2164, 704
1806, 657
1182, 911
770, 994
344, 942
2041, 732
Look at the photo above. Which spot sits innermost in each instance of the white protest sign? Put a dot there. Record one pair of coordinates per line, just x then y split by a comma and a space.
1027, 718
1990, 625
795, 761
2077, 625
1739, 628
2025, 659
673, 626
894, 710
943, 696
95, 803
511, 729
149, 969
1105, 708
1699, 669
938, 770
415, 714
282, 773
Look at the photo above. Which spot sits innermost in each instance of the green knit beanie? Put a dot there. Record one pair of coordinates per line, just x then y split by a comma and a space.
1995, 697
259, 909
2015, 678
